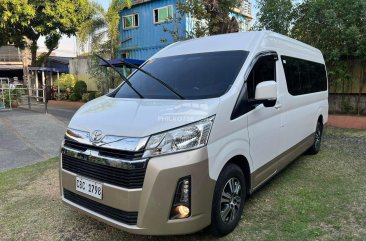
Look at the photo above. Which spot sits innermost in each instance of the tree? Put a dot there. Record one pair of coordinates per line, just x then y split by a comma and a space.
338, 29
208, 17
102, 27
28, 20
275, 15
15, 15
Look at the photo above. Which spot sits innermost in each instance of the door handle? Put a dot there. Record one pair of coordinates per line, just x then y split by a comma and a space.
278, 106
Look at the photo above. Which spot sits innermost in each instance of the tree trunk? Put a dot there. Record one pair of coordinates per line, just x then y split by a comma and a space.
34, 48
45, 57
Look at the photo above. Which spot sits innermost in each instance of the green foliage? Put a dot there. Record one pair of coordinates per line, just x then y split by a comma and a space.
337, 28
80, 87
102, 27
66, 81
88, 96
275, 15
85, 97
91, 95
106, 78
9, 96
34, 18
210, 18
74, 97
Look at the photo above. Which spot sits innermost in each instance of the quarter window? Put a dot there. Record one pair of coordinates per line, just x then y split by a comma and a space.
131, 21
303, 76
163, 14
263, 70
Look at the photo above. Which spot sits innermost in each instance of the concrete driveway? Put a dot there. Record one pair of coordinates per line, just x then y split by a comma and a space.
28, 136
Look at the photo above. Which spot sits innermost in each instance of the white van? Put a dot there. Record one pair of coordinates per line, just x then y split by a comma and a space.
180, 145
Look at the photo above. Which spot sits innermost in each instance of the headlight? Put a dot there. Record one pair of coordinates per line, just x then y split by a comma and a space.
184, 138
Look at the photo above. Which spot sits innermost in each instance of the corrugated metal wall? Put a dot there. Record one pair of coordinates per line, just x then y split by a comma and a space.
145, 40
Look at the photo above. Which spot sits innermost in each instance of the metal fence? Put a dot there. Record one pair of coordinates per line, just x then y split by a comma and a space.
19, 96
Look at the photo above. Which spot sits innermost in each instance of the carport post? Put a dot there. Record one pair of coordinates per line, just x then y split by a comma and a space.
29, 88
58, 85
51, 79
37, 94
43, 84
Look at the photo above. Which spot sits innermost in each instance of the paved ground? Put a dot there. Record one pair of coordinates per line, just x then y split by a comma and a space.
28, 136
61, 112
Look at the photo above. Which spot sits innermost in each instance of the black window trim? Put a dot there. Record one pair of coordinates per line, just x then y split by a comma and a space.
242, 105
325, 68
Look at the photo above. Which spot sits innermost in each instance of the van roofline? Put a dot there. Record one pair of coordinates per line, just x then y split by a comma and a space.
234, 41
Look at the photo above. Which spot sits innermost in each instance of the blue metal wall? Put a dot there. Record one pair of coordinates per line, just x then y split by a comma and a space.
146, 39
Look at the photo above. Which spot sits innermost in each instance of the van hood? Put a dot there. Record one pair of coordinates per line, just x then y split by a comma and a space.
140, 117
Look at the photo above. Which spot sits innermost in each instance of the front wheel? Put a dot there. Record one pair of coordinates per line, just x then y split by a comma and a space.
228, 201
315, 148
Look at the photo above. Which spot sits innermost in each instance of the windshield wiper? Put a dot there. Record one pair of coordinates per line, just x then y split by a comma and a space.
123, 77
154, 77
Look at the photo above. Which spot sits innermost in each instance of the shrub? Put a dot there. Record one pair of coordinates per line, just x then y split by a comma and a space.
80, 88
92, 96
85, 97
66, 81
74, 97
98, 94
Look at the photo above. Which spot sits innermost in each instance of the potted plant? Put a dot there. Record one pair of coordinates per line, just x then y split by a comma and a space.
14, 104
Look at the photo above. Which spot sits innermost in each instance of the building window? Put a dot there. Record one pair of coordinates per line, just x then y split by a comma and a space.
131, 21
124, 55
163, 14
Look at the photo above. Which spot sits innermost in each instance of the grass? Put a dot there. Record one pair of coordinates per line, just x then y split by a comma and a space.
321, 197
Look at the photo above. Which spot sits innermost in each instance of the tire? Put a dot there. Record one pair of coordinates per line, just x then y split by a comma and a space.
228, 200
315, 148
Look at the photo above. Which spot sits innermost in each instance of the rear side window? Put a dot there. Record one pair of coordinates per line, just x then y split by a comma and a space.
303, 76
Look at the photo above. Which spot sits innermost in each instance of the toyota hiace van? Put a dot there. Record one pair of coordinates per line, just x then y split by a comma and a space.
183, 141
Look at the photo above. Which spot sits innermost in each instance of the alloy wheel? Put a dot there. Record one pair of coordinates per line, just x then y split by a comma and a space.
230, 200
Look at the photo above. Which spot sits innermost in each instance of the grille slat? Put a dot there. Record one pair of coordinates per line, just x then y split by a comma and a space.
103, 151
113, 213
127, 178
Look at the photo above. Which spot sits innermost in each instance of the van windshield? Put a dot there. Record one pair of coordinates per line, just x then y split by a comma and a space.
193, 76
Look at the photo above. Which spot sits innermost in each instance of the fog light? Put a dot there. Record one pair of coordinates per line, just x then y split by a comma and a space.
182, 199
183, 211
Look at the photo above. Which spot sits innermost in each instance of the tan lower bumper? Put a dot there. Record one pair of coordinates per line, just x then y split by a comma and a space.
153, 202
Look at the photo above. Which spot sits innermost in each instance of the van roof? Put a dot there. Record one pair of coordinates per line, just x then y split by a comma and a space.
254, 42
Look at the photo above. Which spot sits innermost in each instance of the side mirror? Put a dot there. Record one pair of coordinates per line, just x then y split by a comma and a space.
266, 90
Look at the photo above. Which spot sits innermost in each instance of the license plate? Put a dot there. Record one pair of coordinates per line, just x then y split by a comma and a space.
92, 188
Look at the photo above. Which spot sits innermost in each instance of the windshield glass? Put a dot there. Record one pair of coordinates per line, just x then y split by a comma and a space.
193, 76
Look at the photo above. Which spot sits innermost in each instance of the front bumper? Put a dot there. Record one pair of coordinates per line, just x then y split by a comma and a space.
154, 200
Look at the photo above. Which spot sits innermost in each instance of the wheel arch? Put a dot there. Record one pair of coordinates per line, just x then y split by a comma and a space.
242, 162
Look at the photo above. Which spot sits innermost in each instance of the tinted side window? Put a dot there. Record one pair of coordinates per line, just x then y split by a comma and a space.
263, 70
303, 76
